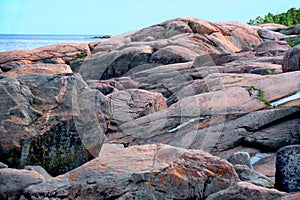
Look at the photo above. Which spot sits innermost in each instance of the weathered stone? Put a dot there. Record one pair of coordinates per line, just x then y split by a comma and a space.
212, 59
13, 182
40, 170
291, 60
291, 196
251, 176
130, 104
53, 121
292, 30
246, 191
142, 172
53, 54
271, 139
240, 158
105, 46
272, 48
262, 71
128, 58
48, 69
115, 63
272, 26
113, 85
270, 35
288, 169
173, 54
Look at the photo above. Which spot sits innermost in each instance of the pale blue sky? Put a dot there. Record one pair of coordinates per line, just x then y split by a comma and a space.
119, 16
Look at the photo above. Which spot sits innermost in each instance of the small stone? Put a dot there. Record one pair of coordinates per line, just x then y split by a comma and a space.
240, 158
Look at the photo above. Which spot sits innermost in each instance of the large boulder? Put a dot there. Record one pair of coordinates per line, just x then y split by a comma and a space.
270, 35
287, 169
131, 104
272, 47
291, 60
49, 69
141, 172
53, 121
53, 54
173, 54
271, 139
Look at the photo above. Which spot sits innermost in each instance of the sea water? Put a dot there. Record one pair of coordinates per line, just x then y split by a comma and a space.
22, 41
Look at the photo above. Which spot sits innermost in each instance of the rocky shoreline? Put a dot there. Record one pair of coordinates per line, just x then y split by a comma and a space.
185, 109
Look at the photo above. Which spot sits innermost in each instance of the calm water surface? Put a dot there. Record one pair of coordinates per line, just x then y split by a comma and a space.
17, 42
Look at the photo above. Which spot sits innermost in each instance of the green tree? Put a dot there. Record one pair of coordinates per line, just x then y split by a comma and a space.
291, 17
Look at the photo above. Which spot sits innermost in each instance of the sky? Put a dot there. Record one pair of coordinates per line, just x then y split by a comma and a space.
100, 17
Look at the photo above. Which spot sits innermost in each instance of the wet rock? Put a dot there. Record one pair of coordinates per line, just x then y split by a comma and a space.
142, 172
240, 158
291, 60
246, 191
287, 169
266, 164
56, 122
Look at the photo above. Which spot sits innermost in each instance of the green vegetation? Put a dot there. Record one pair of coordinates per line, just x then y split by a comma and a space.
249, 88
262, 98
271, 72
293, 43
291, 17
